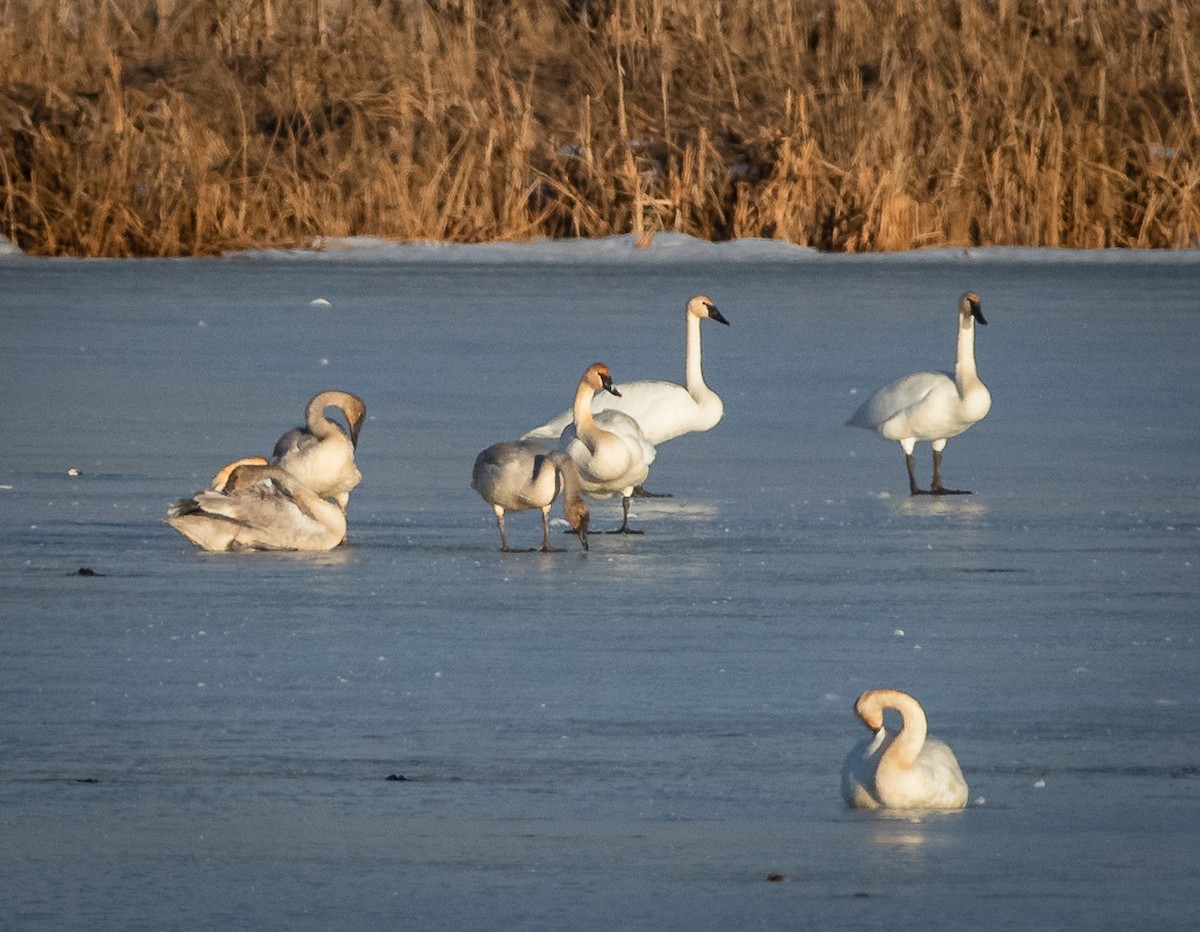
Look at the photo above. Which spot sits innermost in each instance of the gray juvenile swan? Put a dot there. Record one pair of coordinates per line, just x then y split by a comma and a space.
515, 475
321, 453
258, 507
932, 406
908, 770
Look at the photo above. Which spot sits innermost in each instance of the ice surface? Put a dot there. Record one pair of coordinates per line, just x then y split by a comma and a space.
639, 736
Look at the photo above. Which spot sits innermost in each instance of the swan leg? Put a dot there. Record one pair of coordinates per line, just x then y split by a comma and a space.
500, 524
937, 488
625, 528
913, 488
640, 491
546, 548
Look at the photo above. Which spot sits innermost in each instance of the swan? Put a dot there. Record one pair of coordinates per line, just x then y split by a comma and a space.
223, 474
321, 454
608, 448
663, 410
258, 507
932, 406
515, 475
908, 770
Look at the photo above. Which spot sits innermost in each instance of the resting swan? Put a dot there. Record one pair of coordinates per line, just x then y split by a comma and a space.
258, 507
608, 448
321, 454
515, 475
663, 410
931, 406
907, 770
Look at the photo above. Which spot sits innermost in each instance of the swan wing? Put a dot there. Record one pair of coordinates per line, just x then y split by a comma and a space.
264, 516
663, 410
516, 474
942, 781
858, 771
629, 429
915, 406
294, 441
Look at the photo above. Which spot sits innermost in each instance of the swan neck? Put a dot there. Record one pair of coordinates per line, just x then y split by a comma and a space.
694, 375
914, 727
314, 417
585, 424
569, 476
965, 374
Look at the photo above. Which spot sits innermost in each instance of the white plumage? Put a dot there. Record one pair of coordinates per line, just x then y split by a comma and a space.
931, 406
908, 770
321, 454
663, 410
609, 449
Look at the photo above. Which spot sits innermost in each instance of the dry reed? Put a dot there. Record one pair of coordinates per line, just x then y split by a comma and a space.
161, 127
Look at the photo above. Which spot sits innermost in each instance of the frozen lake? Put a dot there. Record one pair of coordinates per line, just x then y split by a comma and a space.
636, 737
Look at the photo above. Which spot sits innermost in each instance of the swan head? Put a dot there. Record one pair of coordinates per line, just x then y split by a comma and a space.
869, 709
352, 407
701, 306
599, 377
221, 479
355, 410
578, 516
970, 308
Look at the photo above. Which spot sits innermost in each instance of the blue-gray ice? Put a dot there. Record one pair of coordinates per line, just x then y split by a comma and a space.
640, 736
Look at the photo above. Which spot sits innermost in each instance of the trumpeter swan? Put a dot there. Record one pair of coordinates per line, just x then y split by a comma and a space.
259, 507
932, 406
515, 475
609, 448
663, 410
908, 770
321, 454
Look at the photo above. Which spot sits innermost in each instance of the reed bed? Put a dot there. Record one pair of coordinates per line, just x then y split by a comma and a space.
167, 127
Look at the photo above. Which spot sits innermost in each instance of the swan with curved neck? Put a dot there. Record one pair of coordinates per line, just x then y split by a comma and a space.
932, 406
608, 448
516, 475
258, 507
321, 453
663, 410
908, 770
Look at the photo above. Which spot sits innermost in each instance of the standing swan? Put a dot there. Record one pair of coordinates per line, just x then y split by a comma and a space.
663, 410
907, 770
608, 448
515, 475
258, 507
321, 454
931, 405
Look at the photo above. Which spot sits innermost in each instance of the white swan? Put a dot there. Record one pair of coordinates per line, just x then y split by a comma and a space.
930, 405
608, 448
908, 770
321, 454
515, 475
663, 410
258, 507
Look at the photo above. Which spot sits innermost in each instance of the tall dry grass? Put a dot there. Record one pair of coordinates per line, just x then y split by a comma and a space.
165, 127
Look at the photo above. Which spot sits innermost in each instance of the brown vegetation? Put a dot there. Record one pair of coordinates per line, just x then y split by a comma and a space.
164, 127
